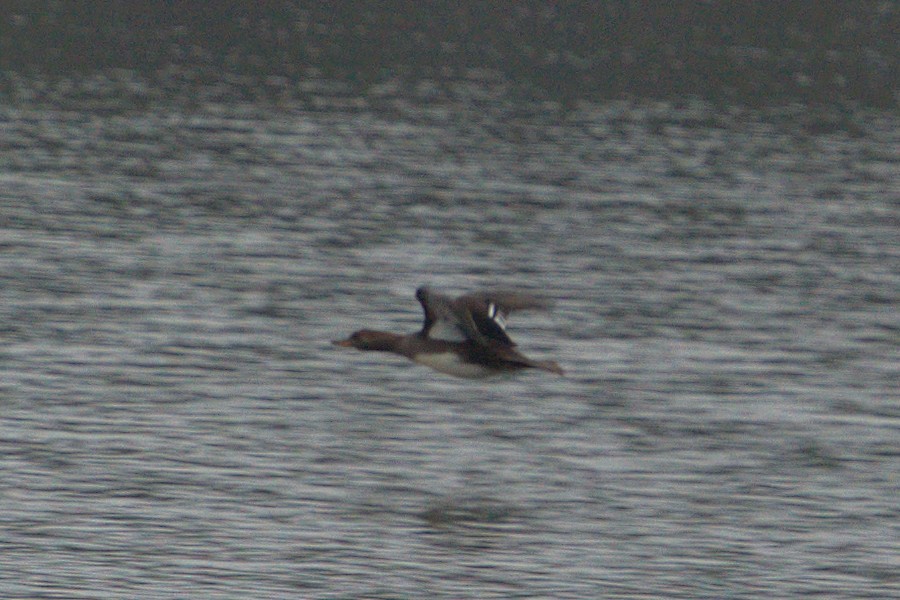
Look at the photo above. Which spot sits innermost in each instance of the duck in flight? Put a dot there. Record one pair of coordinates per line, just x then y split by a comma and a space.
464, 337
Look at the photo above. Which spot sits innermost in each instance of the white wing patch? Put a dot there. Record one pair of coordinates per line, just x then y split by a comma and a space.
442, 329
496, 316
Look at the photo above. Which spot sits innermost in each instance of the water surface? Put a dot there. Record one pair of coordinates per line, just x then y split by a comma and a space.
175, 422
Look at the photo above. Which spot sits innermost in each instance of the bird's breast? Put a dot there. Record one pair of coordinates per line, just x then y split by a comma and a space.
452, 364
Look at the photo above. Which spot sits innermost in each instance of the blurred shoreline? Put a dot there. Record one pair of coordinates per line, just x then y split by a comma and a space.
750, 54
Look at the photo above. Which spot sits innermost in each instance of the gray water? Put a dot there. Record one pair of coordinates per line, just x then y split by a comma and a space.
175, 422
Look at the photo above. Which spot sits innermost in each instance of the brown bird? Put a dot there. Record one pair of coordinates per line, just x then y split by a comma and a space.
465, 337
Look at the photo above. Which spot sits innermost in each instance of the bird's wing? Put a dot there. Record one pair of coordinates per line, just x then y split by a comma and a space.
484, 314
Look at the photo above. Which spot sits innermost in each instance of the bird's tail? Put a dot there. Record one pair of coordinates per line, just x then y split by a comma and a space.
548, 365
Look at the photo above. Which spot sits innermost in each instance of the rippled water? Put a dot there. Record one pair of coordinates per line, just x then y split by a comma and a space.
175, 423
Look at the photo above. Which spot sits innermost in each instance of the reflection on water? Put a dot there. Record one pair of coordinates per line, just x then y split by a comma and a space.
174, 420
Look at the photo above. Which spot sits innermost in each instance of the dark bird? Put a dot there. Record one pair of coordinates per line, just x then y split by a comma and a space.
465, 336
